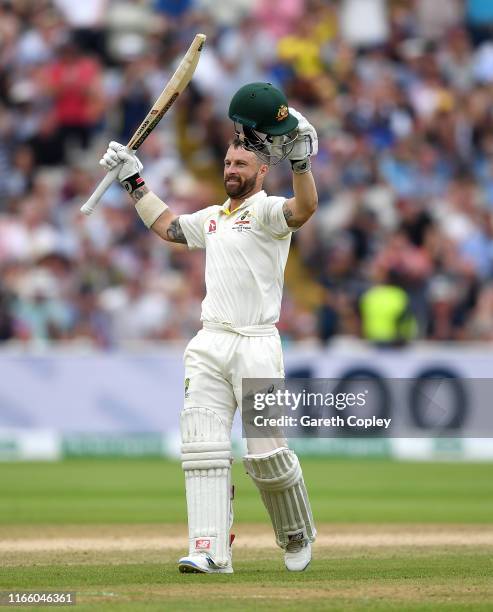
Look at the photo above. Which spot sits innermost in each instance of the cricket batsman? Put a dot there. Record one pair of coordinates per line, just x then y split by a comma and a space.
246, 240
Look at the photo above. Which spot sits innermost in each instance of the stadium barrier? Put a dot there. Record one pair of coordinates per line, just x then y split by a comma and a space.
64, 403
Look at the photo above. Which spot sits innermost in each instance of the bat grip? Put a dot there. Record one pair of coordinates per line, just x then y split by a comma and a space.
90, 206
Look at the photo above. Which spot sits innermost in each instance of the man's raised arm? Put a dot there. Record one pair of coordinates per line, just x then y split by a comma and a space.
300, 208
155, 214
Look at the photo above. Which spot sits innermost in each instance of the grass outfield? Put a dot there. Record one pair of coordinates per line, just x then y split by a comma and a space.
152, 491
393, 536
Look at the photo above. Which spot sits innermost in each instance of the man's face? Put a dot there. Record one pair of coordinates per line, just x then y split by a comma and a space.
243, 172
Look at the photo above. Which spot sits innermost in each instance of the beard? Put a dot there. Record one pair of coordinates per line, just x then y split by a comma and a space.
240, 187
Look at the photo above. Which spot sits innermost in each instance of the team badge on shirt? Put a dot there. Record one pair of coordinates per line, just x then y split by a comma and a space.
212, 227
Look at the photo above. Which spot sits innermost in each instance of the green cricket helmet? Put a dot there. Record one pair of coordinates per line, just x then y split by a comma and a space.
262, 121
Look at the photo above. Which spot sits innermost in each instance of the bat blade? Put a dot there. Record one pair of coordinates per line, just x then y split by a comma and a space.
178, 82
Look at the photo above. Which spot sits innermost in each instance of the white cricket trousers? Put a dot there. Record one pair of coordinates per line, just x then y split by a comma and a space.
216, 360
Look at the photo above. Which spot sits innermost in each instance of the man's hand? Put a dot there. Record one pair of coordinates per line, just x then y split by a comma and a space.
131, 166
299, 209
306, 144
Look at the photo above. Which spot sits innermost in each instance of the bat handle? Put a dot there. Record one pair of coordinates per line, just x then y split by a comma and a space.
91, 204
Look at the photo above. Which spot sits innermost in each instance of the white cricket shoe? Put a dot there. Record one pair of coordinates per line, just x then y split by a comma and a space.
298, 555
202, 563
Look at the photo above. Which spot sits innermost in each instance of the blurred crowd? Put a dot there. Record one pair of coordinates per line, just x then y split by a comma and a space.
400, 92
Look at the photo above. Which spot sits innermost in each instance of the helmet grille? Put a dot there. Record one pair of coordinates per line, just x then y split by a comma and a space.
269, 149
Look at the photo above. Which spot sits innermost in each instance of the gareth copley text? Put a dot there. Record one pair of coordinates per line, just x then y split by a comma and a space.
333, 422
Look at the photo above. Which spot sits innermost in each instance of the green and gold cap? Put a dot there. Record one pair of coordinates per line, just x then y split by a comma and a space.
262, 107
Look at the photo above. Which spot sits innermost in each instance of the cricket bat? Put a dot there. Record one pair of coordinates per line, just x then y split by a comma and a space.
180, 79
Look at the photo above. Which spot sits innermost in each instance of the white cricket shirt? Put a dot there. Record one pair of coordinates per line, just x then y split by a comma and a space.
246, 253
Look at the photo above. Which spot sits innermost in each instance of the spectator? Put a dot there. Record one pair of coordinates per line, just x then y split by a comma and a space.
399, 93
279, 17
479, 16
480, 327
386, 317
436, 17
41, 315
74, 81
364, 23
87, 22
6, 319
446, 318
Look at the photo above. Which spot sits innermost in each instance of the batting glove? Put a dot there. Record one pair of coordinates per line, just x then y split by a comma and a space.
305, 145
131, 166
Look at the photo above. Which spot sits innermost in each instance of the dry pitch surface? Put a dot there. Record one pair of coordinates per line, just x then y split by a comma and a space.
355, 567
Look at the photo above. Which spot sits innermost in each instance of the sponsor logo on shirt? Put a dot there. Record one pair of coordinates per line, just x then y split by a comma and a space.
243, 222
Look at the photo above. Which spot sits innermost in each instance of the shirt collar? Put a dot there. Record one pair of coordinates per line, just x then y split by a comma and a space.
248, 202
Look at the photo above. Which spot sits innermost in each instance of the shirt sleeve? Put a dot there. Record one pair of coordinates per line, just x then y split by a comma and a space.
192, 226
271, 216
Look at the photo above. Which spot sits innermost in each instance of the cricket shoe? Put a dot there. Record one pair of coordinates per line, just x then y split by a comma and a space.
202, 563
298, 554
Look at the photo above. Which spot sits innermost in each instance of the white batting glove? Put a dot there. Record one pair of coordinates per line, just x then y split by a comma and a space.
305, 145
119, 154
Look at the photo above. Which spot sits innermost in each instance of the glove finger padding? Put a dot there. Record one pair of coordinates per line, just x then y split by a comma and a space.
118, 154
116, 146
302, 148
110, 159
306, 143
127, 156
302, 120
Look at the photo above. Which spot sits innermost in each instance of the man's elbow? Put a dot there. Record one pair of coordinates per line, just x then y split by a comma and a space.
313, 205
308, 211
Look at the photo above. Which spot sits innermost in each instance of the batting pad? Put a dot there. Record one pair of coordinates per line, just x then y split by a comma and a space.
279, 479
206, 460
